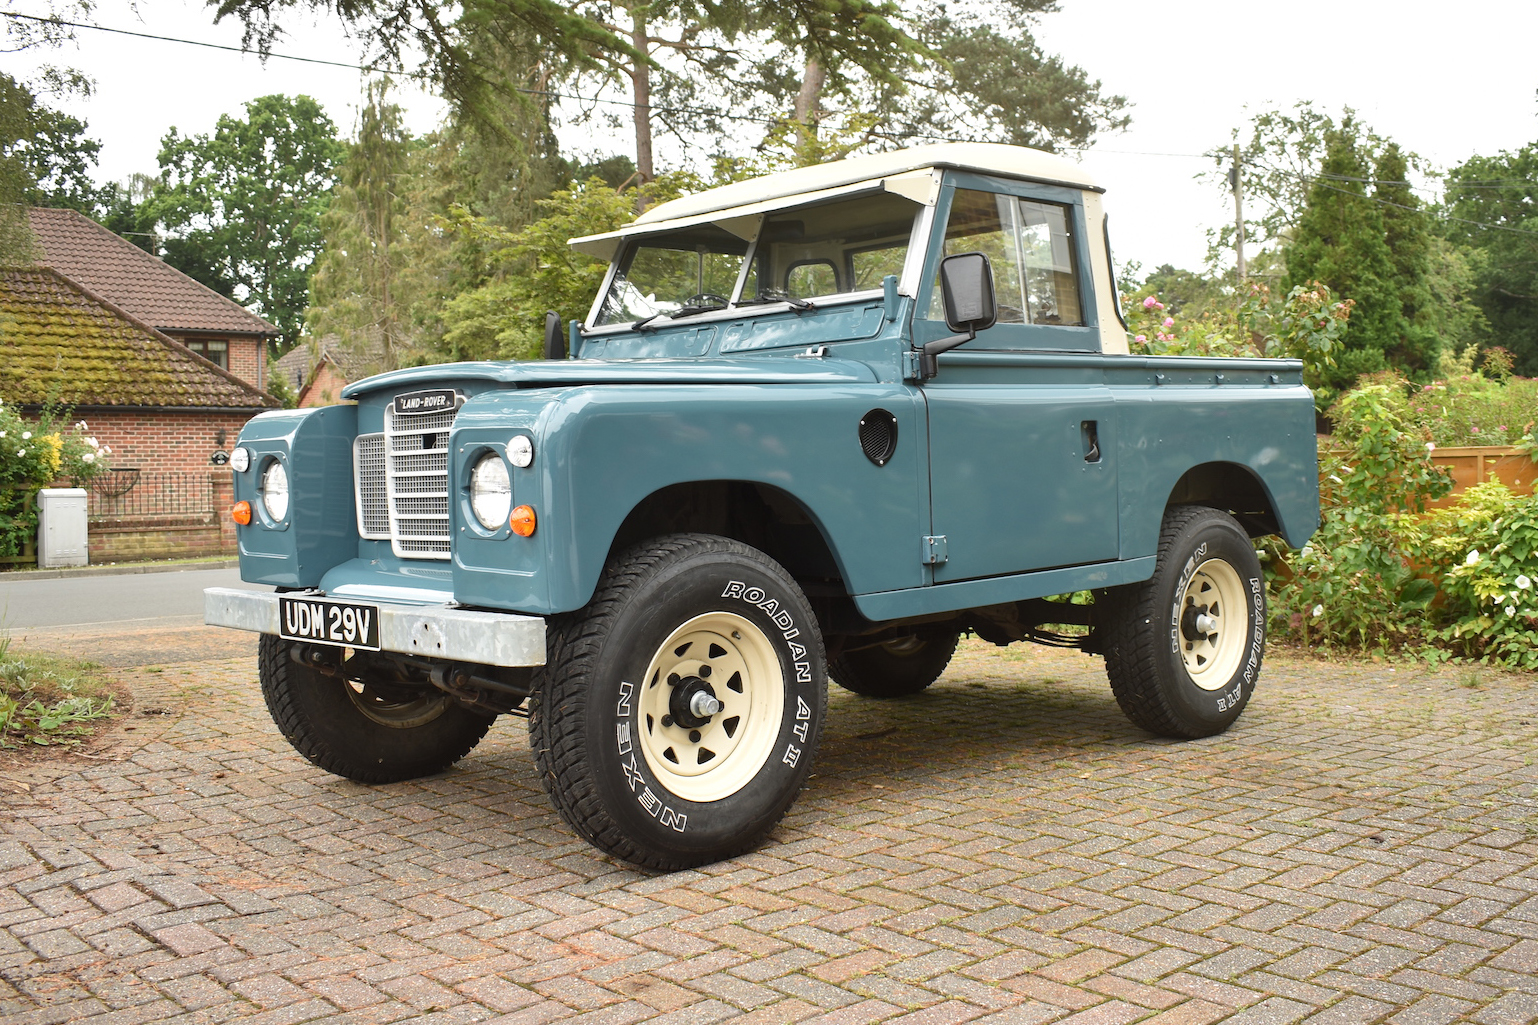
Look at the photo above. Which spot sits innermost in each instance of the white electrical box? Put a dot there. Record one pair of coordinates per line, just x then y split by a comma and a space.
61, 533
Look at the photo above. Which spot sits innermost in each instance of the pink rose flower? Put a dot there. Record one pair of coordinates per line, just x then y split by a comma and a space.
1141, 339
1150, 303
1169, 321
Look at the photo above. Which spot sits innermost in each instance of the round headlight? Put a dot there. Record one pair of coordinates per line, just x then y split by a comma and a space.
520, 450
240, 460
491, 491
275, 490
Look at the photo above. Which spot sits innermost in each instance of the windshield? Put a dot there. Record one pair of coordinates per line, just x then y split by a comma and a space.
801, 254
663, 274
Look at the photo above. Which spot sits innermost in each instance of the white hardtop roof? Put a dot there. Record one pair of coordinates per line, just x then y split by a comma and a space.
757, 195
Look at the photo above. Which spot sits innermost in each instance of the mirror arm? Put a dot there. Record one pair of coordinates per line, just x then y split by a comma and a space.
929, 364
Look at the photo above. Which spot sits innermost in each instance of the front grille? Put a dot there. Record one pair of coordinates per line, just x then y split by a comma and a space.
417, 471
368, 457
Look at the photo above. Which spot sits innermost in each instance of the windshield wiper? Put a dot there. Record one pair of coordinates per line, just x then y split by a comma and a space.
689, 311
799, 305
640, 325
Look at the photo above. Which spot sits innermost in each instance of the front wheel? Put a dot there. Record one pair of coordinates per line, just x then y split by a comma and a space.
364, 727
1183, 649
678, 713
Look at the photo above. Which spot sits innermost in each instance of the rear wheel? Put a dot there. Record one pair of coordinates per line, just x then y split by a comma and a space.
678, 713
1183, 649
364, 727
896, 668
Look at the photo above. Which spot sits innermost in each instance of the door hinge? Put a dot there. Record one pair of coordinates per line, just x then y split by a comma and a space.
913, 367
934, 549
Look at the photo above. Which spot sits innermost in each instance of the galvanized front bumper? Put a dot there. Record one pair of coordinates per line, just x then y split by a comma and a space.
436, 631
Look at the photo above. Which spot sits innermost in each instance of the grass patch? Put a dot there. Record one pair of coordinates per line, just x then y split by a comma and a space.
49, 700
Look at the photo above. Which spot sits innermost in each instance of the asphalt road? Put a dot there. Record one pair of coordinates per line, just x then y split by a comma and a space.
122, 620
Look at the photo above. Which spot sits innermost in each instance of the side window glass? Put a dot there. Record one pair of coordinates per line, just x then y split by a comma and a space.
1030, 245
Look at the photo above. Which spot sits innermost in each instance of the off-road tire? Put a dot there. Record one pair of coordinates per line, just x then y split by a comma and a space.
675, 613
350, 730
898, 669
1154, 654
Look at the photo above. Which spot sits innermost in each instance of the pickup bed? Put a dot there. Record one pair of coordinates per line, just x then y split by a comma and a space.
816, 425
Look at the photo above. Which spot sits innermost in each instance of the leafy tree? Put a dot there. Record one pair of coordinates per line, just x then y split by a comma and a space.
1491, 212
1340, 240
534, 270
16, 182
1407, 234
355, 290
247, 202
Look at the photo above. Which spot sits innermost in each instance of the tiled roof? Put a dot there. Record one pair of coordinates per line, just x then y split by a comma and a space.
60, 343
133, 280
355, 363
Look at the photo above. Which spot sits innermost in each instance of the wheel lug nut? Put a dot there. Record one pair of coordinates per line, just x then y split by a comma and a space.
667, 720
694, 736
704, 670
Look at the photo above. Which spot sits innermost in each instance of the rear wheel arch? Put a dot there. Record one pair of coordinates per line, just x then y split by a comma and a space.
1233, 488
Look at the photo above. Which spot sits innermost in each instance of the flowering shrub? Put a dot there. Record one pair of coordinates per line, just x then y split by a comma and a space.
1484, 553
33, 455
1465, 407
1382, 573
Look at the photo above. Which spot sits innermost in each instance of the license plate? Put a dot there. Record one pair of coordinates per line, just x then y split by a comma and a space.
322, 621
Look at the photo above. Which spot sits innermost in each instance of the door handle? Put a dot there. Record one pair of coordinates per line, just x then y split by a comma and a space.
1090, 431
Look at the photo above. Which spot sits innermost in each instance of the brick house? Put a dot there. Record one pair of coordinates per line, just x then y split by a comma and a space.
168, 413
317, 369
153, 292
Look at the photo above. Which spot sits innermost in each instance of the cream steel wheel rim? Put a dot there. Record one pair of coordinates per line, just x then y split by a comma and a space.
1213, 624
711, 707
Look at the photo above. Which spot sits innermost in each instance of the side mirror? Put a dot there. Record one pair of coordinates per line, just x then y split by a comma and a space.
966, 286
555, 345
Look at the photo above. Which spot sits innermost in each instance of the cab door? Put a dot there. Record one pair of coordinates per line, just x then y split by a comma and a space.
1022, 428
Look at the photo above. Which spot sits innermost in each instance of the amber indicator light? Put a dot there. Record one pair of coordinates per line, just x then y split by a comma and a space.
240, 512
522, 520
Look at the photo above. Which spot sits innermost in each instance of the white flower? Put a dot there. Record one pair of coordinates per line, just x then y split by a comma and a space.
2, 434
1473, 558
106, 450
1336, 479
1522, 582
26, 435
1511, 610
1306, 552
92, 442
1318, 611
89, 457
21, 451
80, 426
1430, 447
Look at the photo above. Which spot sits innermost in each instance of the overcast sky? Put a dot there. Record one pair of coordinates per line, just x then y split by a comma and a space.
1446, 81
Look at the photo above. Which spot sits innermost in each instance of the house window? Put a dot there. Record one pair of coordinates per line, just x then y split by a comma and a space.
215, 352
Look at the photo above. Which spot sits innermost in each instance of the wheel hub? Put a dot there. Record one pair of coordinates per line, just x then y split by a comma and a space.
693, 703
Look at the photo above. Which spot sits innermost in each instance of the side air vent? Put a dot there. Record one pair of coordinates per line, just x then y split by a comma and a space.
878, 436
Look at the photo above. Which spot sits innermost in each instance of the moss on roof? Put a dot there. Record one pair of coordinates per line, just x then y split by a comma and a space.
61, 343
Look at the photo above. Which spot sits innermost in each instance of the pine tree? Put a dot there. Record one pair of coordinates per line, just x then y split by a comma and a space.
1407, 233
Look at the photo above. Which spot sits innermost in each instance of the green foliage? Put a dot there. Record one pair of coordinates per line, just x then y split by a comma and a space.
535, 270
248, 200
1466, 407
1484, 554
1356, 582
1492, 211
46, 700
17, 110
33, 455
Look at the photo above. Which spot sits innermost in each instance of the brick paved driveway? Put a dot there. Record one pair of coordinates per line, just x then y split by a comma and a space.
1360, 848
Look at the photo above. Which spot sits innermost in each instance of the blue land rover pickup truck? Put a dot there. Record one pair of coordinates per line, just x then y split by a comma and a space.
818, 424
